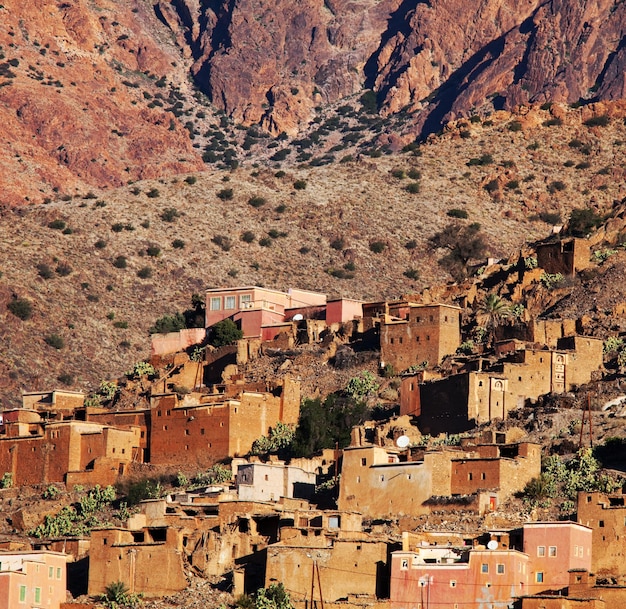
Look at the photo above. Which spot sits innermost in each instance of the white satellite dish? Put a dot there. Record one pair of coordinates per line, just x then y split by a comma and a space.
492, 545
298, 317
403, 441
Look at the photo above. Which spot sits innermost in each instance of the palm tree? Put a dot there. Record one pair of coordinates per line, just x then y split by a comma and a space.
492, 311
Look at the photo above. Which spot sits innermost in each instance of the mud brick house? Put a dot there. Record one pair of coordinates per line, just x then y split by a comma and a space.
271, 481
458, 402
606, 515
477, 576
148, 561
566, 256
57, 404
32, 580
419, 333
74, 452
384, 481
202, 429
330, 547
137, 420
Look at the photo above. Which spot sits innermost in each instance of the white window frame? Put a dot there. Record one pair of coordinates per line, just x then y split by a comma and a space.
230, 302
215, 303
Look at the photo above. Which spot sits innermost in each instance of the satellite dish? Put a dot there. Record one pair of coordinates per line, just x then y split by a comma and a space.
298, 317
403, 441
492, 545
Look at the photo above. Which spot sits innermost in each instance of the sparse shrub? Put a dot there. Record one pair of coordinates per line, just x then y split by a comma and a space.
168, 323
280, 174
120, 262
483, 159
145, 223
55, 341
65, 379
377, 246
457, 213
412, 274
411, 244
223, 242
551, 280
44, 271
257, 201
299, 184
492, 186
413, 188
514, 126
338, 243
304, 249
169, 214
512, 184
21, 308
178, 244
153, 250
598, 121
553, 122
368, 102
248, 236
265, 242
583, 165
569, 163
414, 174
225, 194
118, 227
144, 273
191, 180
57, 224
63, 269
398, 173
153, 193
100, 244
556, 186
279, 209
550, 217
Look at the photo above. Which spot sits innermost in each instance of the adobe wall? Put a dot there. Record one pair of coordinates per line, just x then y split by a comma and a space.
562, 602
444, 405
348, 568
606, 515
173, 342
114, 556
410, 395
472, 475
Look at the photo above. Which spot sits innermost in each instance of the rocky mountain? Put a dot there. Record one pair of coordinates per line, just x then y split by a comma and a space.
272, 62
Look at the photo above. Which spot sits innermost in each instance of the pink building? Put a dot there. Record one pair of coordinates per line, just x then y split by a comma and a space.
32, 580
553, 549
457, 578
254, 308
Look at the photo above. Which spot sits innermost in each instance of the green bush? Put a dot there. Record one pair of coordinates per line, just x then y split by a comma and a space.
598, 121
398, 173
248, 236
100, 244
556, 186
153, 250
178, 244
300, 184
21, 308
169, 214
224, 242
257, 201
168, 323
144, 273
225, 194
413, 188
55, 341
514, 126
492, 186
118, 227
484, 159
414, 174
153, 193
120, 262
377, 246
57, 224
191, 180
44, 271
265, 242
63, 269
412, 274
512, 184
457, 213
224, 332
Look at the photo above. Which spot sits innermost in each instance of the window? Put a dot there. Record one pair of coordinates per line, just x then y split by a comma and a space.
484, 568
552, 551
363, 462
469, 476
37, 596
229, 302
50, 572
539, 577
244, 301
22, 594
541, 550
500, 569
404, 565
483, 476
453, 583
216, 303
601, 524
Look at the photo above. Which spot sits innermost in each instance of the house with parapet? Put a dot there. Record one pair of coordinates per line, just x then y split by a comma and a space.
384, 481
328, 554
456, 574
411, 334
201, 428
55, 404
258, 481
34, 451
606, 515
32, 579
264, 313
565, 256
460, 401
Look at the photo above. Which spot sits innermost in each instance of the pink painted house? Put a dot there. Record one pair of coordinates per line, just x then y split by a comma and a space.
254, 309
32, 580
554, 548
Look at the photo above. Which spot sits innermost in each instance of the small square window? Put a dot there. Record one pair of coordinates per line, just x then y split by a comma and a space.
541, 550
484, 568
552, 551
453, 583
404, 564
229, 302
539, 577
601, 523
244, 301
500, 569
